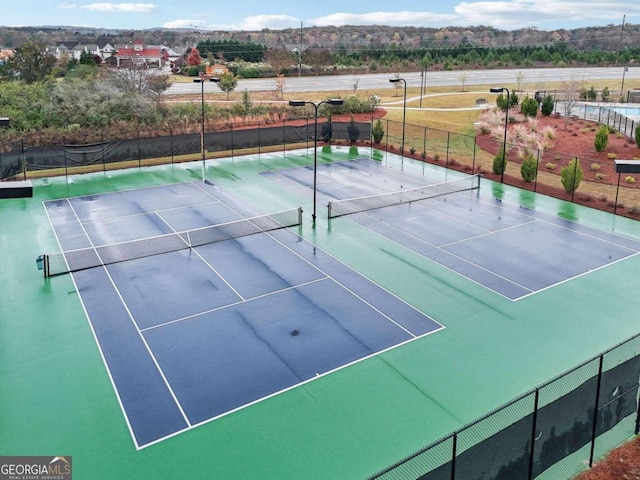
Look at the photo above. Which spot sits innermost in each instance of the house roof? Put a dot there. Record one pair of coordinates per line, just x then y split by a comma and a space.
145, 52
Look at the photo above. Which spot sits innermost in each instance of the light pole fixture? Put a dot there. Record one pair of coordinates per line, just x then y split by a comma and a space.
201, 80
506, 122
302, 103
404, 108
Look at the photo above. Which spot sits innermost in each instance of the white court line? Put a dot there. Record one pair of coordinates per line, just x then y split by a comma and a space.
203, 260
131, 317
351, 291
233, 304
97, 342
141, 214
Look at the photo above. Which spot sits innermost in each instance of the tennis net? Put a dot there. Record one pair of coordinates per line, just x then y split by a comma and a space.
82, 259
338, 208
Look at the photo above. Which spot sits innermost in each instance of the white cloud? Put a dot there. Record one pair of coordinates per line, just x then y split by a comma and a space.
258, 22
67, 6
501, 13
121, 7
185, 23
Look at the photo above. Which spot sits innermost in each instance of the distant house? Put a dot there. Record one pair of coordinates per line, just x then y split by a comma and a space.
5, 54
139, 55
216, 69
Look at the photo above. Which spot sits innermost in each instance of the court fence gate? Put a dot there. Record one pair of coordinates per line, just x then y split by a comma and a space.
551, 432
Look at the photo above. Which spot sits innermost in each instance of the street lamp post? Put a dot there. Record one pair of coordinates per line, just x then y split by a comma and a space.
302, 103
506, 122
201, 80
624, 70
404, 108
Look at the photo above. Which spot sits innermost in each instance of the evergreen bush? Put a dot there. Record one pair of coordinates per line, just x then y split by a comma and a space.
377, 131
602, 138
547, 105
571, 176
529, 169
499, 163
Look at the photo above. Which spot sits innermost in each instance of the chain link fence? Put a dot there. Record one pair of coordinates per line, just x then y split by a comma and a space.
549, 433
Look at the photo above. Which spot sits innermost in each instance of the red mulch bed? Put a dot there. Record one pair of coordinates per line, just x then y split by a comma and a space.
621, 464
575, 139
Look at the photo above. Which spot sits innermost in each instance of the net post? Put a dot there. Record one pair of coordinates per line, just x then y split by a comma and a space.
329, 211
299, 215
45, 259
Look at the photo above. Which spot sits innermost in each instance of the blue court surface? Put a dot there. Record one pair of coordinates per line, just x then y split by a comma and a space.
511, 250
194, 334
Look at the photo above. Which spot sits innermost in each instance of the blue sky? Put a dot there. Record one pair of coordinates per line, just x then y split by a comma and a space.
259, 14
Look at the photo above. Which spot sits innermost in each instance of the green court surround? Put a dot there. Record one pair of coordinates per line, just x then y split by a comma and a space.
56, 397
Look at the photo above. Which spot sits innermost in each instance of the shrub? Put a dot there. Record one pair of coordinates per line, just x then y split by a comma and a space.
547, 105
377, 131
571, 176
612, 156
499, 163
599, 176
602, 138
630, 180
635, 210
412, 150
436, 157
529, 107
550, 166
595, 167
529, 169
605, 94
638, 136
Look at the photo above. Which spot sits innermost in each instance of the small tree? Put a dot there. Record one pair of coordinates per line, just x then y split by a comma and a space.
529, 169
194, 58
606, 95
280, 84
501, 102
547, 105
378, 131
571, 176
529, 107
602, 138
499, 163
228, 83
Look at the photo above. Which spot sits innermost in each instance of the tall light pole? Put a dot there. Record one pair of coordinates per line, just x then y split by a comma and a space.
302, 103
404, 108
624, 70
506, 122
201, 80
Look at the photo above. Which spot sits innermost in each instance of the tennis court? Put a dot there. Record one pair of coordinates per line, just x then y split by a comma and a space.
191, 334
326, 351
484, 240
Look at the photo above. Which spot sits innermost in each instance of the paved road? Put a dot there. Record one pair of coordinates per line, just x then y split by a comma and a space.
539, 76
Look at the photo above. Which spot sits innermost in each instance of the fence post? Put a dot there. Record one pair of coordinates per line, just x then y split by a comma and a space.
24, 159
533, 432
454, 453
423, 155
473, 162
259, 151
535, 181
446, 162
171, 143
615, 203
387, 140
575, 171
594, 431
